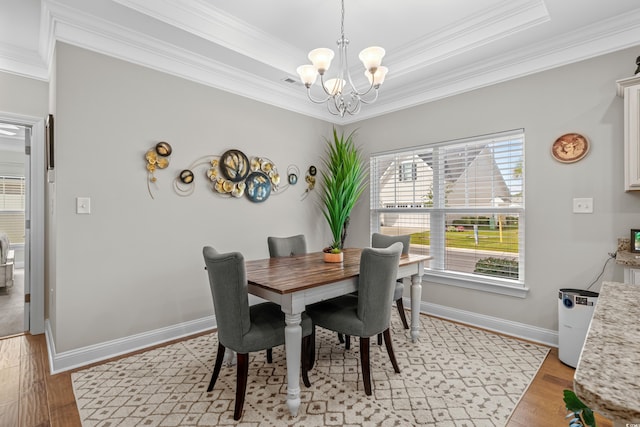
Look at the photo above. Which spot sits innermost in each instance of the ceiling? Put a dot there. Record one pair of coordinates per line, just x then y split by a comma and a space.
435, 48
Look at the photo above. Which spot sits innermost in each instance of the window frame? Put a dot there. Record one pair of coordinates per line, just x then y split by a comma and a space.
436, 212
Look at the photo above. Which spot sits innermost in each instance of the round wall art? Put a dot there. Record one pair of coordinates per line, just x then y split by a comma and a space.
234, 165
258, 187
570, 148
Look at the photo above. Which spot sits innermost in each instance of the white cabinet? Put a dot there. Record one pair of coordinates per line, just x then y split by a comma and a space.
629, 89
632, 275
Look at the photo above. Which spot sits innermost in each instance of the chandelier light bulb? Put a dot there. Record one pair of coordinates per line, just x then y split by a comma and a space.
308, 74
378, 77
371, 57
334, 86
321, 59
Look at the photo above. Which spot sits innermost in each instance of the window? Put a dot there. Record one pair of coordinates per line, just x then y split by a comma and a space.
462, 202
407, 171
12, 204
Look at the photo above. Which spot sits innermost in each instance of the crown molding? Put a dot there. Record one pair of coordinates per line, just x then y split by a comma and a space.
60, 22
22, 62
607, 36
468, 34
203, 19
95, 34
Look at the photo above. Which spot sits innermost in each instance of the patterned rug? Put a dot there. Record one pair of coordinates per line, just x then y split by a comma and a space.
454, 376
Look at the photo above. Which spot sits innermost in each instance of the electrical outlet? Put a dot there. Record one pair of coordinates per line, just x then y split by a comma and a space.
583, 205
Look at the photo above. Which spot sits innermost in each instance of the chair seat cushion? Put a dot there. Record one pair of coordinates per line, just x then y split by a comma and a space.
338, 314
267, 328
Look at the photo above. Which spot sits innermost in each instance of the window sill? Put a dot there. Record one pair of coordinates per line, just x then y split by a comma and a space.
503, 287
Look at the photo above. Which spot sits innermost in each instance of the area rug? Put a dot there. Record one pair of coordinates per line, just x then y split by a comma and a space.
453, 376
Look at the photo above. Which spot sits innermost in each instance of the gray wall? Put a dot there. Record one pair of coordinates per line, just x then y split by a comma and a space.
23, 96
562, 249
135, 263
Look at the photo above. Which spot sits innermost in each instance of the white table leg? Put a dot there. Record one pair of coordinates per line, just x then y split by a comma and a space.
416, 297
229, 358
293, 343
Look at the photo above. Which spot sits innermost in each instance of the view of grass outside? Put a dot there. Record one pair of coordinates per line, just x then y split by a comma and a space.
488, 240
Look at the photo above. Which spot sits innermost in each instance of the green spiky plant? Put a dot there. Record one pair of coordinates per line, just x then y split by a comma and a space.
580, 414
343, 181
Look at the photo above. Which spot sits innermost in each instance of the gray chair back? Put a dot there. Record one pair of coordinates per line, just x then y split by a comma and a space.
228, 282
382, 241
287, 246
378, 268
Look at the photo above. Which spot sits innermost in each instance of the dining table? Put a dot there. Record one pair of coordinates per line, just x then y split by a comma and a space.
297, 281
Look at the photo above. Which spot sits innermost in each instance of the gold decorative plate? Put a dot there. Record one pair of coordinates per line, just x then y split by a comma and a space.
570, 148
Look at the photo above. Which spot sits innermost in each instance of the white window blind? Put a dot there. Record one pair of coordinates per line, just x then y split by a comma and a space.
462, 202
12, 204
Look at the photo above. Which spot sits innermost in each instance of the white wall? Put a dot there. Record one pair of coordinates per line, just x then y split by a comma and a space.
563, 249
135, 263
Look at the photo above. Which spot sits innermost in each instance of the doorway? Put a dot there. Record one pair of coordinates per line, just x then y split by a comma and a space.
22, 213
13, 197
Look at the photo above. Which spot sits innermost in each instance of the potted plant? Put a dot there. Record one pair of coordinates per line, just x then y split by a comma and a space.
343, 181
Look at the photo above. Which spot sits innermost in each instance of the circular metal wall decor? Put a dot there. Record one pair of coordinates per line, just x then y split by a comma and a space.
186, 176
235, 175
570, 148
292, 174
234, 165
163, 149
258, 187
157, 158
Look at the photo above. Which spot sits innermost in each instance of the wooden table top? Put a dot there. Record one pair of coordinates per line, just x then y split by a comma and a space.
291, 274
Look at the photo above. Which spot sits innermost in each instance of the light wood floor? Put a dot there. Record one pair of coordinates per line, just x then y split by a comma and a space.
30, 396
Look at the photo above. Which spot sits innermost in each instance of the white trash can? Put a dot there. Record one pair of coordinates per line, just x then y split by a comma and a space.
575, 309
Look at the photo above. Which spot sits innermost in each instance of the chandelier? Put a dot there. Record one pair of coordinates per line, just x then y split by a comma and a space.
341, 94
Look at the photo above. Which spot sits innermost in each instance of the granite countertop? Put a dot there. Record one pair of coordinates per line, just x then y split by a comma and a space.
624, 256
607, 378
630, 259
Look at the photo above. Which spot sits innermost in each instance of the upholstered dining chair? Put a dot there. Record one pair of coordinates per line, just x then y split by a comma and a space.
369, 312
287, 246
379, 240
243, 328
283, 247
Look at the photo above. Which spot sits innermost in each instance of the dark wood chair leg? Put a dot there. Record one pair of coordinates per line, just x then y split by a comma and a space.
401, 312
392, 356
379, 339
217, 366
347, 342
242, 371
364, 362
340, 338
305, 359
312, 352
269, 355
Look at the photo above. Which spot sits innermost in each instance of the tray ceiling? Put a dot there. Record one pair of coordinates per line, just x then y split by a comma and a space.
435, 48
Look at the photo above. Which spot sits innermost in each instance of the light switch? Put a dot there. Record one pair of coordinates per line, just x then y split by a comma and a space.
83, 205
583, 205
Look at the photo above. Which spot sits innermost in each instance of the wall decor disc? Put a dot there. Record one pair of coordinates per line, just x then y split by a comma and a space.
234, 165
570, 148
258, 187
163, 149
186, 176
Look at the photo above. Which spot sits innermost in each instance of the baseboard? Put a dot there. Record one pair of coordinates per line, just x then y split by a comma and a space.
515, 329
66, 360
